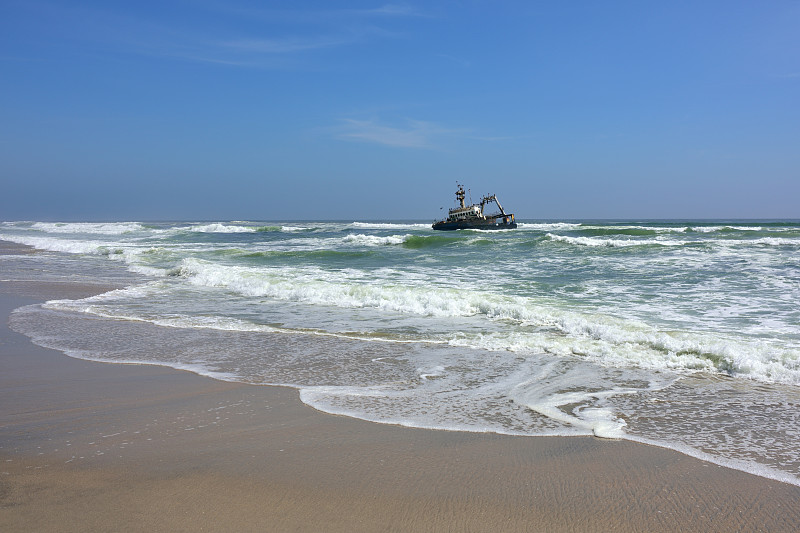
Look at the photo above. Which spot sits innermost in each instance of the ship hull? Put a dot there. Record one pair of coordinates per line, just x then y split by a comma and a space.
445, 225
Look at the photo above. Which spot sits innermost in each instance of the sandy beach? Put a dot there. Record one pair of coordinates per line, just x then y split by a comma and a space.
89, 446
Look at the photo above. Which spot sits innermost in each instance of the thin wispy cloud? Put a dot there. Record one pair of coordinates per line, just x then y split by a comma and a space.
320, 16
411, 134
282, 36
283, 46
343, 26
392, 10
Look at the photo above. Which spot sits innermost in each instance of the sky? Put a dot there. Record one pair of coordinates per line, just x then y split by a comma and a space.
302, 110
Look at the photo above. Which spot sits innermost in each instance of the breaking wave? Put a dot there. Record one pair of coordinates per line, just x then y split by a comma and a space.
390, 226
374, 240
540, 327
94, 228
230, 228
611, 243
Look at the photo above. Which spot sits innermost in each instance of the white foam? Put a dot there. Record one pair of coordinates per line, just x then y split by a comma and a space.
56, 244
390, 226
97, 228
144, 290
561, 393
611, 243
775, 241
750, 467
636, 227
548, 226
374, 240
434, 372
714, 229
218, 227
610, 340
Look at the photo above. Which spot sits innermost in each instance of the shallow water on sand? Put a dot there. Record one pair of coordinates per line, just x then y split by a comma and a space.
684, 334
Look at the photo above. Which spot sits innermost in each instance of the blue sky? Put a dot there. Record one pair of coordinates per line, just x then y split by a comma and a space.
236, 109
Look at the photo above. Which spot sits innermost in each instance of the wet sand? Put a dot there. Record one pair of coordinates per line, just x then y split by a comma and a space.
88, 446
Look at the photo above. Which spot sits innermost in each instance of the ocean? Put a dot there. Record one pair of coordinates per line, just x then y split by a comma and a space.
681, 334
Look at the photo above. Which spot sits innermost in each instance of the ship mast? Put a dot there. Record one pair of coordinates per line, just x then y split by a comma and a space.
460, 195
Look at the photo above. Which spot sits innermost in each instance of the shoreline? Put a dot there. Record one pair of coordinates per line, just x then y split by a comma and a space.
101, 446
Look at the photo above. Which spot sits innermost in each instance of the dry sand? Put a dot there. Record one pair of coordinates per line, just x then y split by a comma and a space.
88, 446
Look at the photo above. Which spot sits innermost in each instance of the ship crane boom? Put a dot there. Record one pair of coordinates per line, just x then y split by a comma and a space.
492, 198
498, 205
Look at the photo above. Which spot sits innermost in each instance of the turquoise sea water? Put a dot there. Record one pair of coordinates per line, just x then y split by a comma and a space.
684, 334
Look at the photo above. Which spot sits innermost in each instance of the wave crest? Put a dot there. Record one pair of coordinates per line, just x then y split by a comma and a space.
540, 328
94, 228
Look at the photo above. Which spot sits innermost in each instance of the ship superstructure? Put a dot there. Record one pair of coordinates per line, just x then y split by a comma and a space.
473, 216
